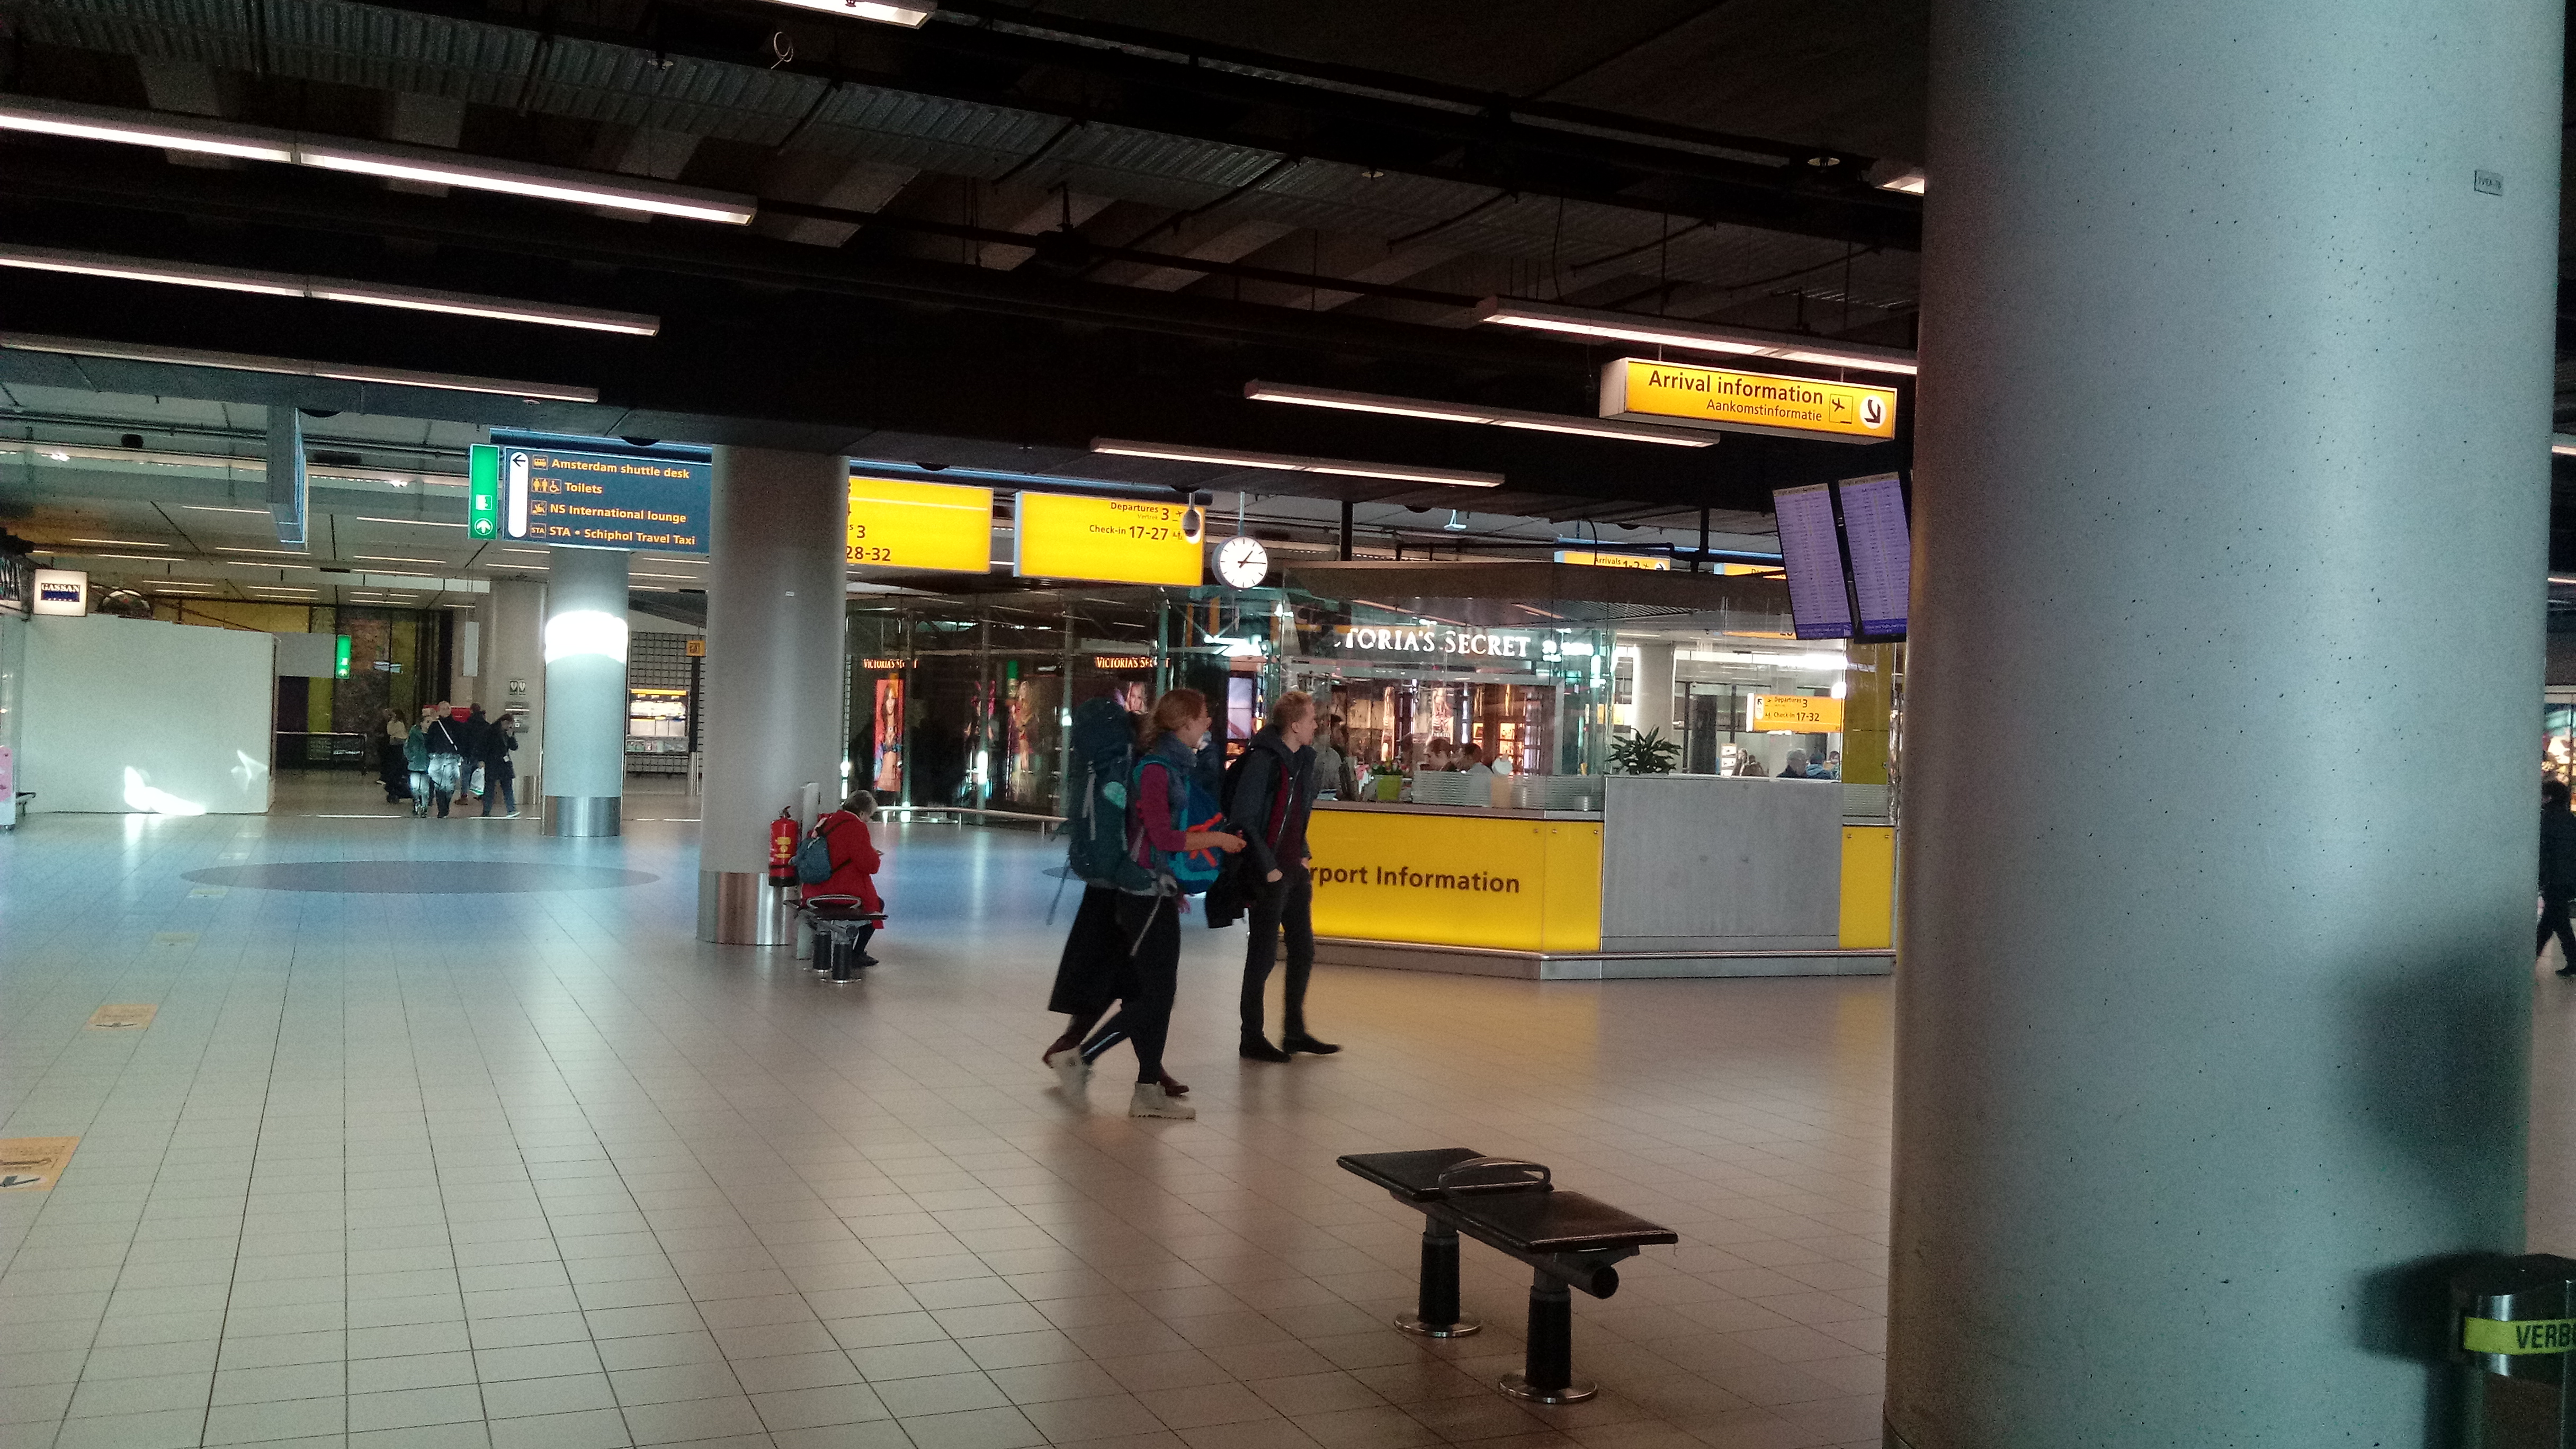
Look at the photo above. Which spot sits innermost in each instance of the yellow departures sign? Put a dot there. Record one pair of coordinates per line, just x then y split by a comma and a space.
1805, 714
1592, 558
1108, 540
905, 525
1639, 390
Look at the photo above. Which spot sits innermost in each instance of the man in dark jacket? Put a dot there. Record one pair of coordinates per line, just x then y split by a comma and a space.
2557, 872
1274, 789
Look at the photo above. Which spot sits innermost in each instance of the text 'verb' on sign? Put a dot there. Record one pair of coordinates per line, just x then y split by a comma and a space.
903, 525
1639, 390
1106, 540
605, 500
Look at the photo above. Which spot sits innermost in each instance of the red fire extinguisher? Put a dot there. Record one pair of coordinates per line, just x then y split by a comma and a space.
782, 849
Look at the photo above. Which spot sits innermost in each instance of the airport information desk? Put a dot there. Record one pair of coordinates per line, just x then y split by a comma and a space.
1674, 875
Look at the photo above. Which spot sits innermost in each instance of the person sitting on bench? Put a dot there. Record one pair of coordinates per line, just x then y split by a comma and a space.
854, 864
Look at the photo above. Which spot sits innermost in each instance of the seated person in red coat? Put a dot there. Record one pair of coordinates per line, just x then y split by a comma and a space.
854, 863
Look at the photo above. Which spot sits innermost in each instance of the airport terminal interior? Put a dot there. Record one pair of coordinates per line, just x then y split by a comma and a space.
1776, 727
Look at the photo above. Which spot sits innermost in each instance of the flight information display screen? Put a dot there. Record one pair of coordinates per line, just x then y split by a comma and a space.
1818, 602
1882, 552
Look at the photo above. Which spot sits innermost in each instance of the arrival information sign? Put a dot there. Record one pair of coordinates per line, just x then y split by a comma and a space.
1639, 390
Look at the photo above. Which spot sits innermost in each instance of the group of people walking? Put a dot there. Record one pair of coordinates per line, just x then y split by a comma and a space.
1125, 945
450, 752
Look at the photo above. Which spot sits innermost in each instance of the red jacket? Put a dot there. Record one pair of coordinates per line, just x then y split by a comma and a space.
854, 860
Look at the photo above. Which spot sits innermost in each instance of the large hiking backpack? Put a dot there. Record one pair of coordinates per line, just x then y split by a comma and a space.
1190, 872
1104, 755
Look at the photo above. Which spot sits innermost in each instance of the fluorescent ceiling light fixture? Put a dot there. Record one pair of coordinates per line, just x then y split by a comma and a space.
1291, 463
1909, 181
389, 558
1694, 336
1402, 407
280, 552
909, 15
139, 557
2563, 444
414, 522
123, 542
217, 508
327, 289
549, 183
375, 158
294, 367
143, 128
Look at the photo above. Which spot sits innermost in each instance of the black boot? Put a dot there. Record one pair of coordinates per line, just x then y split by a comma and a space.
1258, 1049
1298, 1041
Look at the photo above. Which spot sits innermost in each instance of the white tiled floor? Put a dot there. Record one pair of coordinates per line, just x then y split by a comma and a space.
539, 1169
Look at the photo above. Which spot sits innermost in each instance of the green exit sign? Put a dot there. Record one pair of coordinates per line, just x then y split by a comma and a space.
340, 663
483, 492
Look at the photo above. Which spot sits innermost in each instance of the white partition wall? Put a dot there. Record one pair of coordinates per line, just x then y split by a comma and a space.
131, 716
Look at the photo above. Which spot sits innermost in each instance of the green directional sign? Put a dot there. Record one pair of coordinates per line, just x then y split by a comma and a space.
483, 493
340, 659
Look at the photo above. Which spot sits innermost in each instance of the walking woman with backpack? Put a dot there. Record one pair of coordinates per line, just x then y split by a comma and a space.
1159, 869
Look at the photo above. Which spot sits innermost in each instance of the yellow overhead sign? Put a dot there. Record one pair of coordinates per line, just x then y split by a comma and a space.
1805, 714
1747, 402
1108, 540
1597, 559
921, 525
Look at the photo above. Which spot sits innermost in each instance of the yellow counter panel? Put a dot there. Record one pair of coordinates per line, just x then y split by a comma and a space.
1504, 881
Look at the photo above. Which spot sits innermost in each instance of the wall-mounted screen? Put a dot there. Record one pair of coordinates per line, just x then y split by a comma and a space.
1819, 605
1882, 554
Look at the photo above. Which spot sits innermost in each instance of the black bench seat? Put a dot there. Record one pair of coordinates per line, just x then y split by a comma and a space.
1568, 1239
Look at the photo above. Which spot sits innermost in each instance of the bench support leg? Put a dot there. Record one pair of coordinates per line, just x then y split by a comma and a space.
1547, 1373
1436, 1313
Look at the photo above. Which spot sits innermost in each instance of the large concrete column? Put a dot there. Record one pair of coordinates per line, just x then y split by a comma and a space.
2217, 903
585, 649
514, 672
774, 637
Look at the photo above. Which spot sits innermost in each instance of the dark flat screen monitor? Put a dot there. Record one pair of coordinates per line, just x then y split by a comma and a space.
1882, 552
1818, 603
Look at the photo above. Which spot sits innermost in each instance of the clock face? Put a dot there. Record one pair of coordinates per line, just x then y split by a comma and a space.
1242, 562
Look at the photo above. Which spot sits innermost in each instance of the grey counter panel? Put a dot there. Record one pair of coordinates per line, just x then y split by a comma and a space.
1719, 862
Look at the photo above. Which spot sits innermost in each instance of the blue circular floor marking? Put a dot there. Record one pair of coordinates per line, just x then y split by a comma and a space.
420, 877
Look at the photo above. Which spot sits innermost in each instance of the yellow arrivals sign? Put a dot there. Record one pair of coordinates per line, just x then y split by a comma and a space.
1596, 559
921, 525
1747, 402
1108, 540
1804, 714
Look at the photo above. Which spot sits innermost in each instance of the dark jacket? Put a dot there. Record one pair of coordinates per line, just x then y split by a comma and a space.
446, 736
497, 745
1257, 800
2557, 850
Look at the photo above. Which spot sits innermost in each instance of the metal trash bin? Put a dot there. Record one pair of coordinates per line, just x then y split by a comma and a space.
2513, 1326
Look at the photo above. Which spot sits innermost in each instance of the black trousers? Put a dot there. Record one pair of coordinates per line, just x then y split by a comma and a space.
1149, 977
1288, 903
2553, 922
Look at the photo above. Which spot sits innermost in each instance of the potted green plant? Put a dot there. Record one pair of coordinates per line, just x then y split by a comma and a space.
1646, 754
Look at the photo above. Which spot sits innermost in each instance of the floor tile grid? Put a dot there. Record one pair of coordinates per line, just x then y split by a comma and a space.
1400, 1254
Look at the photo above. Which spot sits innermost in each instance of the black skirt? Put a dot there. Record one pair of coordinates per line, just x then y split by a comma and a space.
1087, 979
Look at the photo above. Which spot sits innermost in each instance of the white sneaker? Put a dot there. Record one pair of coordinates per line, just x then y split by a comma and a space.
1071, 1071
1150, 1102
